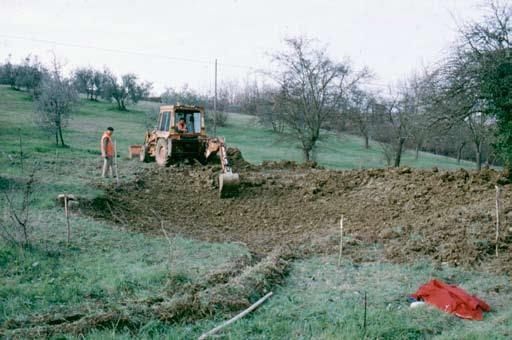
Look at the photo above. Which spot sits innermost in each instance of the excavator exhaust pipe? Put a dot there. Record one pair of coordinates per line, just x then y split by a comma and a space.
228, 184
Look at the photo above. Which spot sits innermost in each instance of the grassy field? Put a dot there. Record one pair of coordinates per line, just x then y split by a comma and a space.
341, 151
107, 267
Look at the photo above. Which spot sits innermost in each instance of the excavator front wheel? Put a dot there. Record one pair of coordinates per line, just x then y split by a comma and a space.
228, 184
144, 154
163, 156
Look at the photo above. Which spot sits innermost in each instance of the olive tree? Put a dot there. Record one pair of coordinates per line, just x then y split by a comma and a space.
55, 103
29, 74
8, 73
127, 89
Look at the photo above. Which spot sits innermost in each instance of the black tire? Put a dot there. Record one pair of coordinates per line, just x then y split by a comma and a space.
144, 154
163, 155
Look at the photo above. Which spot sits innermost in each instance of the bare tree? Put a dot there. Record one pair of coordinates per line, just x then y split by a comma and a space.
361, 112
480, 127
459, 105
402, 115
55, 103
18, 227
476, 81
394, 129
458, 137
267, 110
311, 89
259, 100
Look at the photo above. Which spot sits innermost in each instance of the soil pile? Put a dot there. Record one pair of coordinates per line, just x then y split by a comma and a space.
407, 213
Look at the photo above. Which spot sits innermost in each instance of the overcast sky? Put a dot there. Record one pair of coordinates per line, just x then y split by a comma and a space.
172, 43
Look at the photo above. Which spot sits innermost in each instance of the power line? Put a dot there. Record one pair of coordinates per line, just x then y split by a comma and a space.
112, 50
144, 54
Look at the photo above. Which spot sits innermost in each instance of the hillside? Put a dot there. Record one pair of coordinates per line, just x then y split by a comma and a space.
341, 151
161, 256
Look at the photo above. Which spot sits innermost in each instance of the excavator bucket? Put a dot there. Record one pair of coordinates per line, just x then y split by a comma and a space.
228, 184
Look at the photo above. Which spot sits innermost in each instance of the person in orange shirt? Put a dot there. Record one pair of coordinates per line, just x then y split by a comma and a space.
107, 153
181, 127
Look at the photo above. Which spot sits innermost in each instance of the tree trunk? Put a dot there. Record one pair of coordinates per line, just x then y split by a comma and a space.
459, 152
399, 149
123, 107
61, 139
275, 127
478, 150
507, 173
313, 154
56, 138
306, 154
366, 141
417, 155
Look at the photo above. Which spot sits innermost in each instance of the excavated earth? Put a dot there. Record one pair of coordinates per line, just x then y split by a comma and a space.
399, 215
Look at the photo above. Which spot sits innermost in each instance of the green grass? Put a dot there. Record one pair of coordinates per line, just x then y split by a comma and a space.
320, 300
102, 266
106, 266
341, 151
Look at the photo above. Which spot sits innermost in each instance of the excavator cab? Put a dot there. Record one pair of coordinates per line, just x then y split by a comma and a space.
180, 135
191, 121
170, 116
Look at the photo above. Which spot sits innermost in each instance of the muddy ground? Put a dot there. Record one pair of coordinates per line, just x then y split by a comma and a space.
404, 214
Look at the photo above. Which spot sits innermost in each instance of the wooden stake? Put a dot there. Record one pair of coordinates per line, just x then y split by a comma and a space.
497, 218
365, 307
215, 103
239, 316
169, 241
21, 152
115, 163
341, 241
67, 218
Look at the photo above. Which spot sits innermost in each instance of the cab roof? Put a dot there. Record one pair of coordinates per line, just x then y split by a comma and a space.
179, 107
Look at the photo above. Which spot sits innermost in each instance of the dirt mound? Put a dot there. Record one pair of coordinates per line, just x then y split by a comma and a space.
236, 159
447, 216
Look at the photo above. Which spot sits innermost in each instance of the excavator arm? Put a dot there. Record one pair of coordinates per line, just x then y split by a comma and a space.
228, 180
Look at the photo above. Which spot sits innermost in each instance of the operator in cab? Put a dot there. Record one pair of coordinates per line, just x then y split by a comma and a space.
181, 127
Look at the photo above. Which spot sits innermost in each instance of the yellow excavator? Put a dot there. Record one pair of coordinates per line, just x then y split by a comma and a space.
180, 136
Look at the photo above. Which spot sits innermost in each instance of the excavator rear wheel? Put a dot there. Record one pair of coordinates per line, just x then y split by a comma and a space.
163, 155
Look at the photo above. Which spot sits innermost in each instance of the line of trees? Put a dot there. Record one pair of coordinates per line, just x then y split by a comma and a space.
30, 73
55, 96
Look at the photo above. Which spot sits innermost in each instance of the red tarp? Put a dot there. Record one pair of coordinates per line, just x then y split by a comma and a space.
452, 299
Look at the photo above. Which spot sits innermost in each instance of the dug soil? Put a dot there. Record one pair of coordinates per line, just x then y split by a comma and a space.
406, 214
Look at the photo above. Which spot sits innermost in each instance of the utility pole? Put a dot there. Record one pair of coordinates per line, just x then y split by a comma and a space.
215, 103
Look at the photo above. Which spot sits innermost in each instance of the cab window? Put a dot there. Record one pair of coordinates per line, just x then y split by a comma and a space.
192, 120
164, 122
